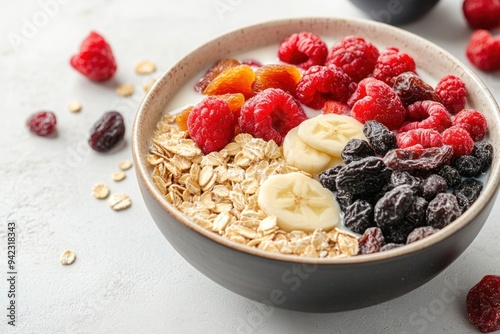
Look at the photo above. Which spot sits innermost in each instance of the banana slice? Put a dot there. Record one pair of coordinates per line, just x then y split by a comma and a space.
298, 202
329, 133
298, 154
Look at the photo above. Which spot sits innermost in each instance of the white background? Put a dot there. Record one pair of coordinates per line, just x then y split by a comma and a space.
127, 278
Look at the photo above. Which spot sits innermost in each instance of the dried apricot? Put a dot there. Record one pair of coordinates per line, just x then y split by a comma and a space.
285, 77
235, 101
238, 79
182, 118
214, 71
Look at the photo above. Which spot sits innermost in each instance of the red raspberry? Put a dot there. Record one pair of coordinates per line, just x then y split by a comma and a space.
482, 14
451, 90
459, 139
375, 100
483, 50
322, 83
427, 115
304, 49
270, 115
335, 107
95, 59
42, 123
391, 63
211, 124
355, 56
425, 137
473, 122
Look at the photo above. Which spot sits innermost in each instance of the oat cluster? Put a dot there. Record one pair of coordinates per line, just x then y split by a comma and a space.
218, 191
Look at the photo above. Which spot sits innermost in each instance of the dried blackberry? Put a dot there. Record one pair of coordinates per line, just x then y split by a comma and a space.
327, 177
366, 176
411, 88
442, 210
467, 165
450, 174
371, 241
381, 139
484, 152
358, 216
467, 193
416, 213
398, 233
356, 149
420, 233
390, 246
344, 198
393, 206
432, 185
400, 177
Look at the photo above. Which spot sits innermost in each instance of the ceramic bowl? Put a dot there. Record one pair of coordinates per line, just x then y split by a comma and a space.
299, 283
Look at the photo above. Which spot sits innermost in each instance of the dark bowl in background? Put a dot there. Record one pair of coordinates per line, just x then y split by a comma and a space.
395, 12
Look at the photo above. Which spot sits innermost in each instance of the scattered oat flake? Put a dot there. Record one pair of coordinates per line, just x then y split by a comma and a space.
145, 67
74, 106
100, 191
125, 90
124, 165
148, 85
119, 202
118, 176
67, 257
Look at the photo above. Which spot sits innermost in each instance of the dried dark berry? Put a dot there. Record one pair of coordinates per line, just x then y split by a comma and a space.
371, 241
399, 232
450, 174
483, 304
416, 214
358, 216
420, 233
107, 132
390, 246
442, 210
399, 178
468, 192
366, 176
411, 88
418, 158
344, 198
467, 165
356, 149
393, 206
328, 177
381, 139
484, 152
432, 185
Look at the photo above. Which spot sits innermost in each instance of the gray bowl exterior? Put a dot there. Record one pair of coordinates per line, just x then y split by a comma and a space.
298, 283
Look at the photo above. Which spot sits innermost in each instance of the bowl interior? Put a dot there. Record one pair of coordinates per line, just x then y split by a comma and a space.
432, 63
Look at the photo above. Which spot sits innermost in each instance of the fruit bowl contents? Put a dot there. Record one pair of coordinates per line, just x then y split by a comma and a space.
210, 189
326, 151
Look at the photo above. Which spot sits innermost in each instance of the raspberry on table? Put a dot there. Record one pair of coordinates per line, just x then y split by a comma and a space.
392, 63
211, 124
411, 88
459, 139
42, 123
483, 304
323, 83
425, 137
453, 94
303, 49
355, 56
427, 115
270, 115
95, 59
483, 51
473, 122
482, 14
375, 100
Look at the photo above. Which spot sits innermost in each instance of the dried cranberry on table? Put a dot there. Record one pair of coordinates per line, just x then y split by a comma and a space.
483, 304
107, 132
42, 123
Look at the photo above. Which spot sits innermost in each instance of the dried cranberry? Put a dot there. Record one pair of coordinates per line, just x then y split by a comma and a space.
107, 132
483, 304
371, 241
42, 123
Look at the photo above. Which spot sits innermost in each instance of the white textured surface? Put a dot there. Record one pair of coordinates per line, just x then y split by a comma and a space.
127, 278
